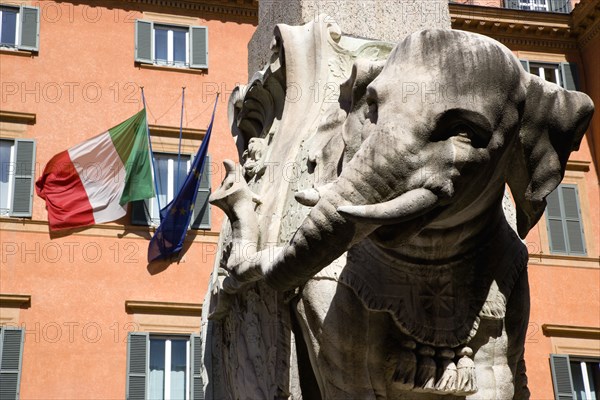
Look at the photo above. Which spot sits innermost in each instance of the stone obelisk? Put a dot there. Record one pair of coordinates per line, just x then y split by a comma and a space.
385, 20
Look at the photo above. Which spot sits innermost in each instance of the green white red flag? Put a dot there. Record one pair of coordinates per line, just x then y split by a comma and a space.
92, 182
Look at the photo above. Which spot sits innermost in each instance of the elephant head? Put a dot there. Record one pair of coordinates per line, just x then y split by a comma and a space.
431, 140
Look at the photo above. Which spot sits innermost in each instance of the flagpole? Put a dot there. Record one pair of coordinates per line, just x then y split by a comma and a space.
180, 135
151, 153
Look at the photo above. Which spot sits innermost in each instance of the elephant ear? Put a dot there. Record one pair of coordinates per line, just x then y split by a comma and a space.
353, 101
553, 124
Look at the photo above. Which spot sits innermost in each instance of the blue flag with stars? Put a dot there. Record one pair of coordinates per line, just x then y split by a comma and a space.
176, 216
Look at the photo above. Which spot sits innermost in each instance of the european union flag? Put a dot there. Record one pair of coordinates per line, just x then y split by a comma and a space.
170, 235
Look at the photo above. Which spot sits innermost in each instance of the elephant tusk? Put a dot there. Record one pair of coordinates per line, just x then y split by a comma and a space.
308, 197
405, 207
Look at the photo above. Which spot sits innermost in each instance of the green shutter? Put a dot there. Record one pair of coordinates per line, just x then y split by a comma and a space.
23, 178
139, 213
570, 76
198, 47
30, 28
561, 377
144, 41
572, 217
514, 4
197, 384
555, 223
525, 65
201, 214
137, 365
563, 216
11, 357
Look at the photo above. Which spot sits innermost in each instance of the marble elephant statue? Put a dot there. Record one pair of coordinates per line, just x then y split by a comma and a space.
412, 284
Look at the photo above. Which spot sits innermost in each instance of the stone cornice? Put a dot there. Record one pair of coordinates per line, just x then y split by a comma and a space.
15, 300
516, 27
586, 20
19, 117
245, 9
172, 131
163, 308
578, 332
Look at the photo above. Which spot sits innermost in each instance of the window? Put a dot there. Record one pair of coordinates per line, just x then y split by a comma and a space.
19, 27
559, 6
172, 45
533, 5
563, 218
17, 163
549, 72
575, 377
563, 74
164, 367
11, 354
169, 178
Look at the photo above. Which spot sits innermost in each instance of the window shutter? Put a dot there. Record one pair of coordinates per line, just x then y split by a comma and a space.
555, 226
139, 213
561, 377
525, 65
144, 41
198, 47
30, 28
197, 384
23, 178
514, 4
137, 365
570, 76
572, 216
201, 214
11, 356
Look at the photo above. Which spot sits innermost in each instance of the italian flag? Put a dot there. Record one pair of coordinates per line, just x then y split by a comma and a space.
92, 182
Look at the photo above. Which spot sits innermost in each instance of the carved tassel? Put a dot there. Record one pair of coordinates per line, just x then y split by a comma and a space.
404, 376
425, 379
447, 372
466, 381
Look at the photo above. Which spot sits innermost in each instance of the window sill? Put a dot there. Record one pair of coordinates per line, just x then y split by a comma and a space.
200, 71
17, 52
564, 260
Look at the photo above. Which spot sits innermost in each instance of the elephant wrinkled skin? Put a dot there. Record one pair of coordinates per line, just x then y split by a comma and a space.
412, 283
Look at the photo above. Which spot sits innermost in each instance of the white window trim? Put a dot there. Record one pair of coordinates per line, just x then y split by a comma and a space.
152, 204
17, 27
534, 5
11, 173
167, 370
170, 45
554, 67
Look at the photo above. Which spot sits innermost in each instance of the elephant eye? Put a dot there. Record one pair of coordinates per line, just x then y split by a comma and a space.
469, 134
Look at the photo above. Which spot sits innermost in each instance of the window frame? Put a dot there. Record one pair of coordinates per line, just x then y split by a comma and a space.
532, 3
17, 26
544, 66
15, 166
168, 352
23, 15
192, 51
194, 381
169, 62
5, 212
144, 206
152, 202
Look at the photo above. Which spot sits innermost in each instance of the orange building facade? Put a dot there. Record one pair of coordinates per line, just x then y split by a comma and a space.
76, 296
68, 73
